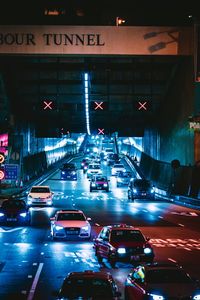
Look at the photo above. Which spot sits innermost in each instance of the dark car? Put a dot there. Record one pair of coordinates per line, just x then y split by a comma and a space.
89, 285
123, 178
14, 212
68, 171
141, 189
160, 281
99, 183
122, 243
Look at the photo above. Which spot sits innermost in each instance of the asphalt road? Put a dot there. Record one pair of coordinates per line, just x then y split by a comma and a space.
32, 266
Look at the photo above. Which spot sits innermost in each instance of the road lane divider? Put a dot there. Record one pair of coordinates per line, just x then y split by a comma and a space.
35, 282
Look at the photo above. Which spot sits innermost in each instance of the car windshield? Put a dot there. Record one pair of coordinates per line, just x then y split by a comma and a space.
100, 178
142, 183
68, 166
124, 175
94, 167
167, 276
118, 166
127, 236
70, 216
92, 288
40, 190
13, 204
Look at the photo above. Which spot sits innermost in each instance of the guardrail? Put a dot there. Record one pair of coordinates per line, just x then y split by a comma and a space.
160, 193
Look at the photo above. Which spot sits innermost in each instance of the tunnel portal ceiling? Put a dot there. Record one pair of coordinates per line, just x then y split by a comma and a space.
125, 93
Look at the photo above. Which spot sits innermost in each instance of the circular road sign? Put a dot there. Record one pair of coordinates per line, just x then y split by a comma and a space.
2, 174
2, 158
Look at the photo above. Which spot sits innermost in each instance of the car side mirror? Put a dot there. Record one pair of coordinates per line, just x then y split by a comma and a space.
148, 238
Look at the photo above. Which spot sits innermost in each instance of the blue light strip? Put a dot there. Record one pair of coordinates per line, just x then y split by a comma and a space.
86, 95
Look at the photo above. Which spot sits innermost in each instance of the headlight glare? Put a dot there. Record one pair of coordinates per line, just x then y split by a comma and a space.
196, 297
1, 214
57, 227
147, 250
23, 215
156, 297
121, 250
85, 227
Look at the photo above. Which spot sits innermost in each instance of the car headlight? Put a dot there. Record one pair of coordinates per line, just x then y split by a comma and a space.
156, 297
147, 250
73, 172
134, 191
29, 201
196, 297
85, 228
57, 227
152, 190
23, 215
105, 184
93, 184
121, 250
1, 214
63, 172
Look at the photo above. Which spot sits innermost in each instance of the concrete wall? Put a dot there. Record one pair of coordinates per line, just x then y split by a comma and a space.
176, 139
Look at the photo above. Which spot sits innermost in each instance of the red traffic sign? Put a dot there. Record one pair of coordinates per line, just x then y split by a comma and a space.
2, 174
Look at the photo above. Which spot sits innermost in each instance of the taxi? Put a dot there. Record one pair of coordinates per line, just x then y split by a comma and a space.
122, 243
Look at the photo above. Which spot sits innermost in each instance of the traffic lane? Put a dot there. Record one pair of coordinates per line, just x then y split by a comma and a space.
68, 256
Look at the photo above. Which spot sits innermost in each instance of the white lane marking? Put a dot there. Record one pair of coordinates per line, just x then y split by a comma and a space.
185, 213
160, 217
35, 281
34, 264
181, 225
171, 259
30, 276
10, 230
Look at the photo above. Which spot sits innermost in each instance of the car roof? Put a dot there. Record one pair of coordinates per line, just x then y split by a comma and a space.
90, 274
40, 186
162, 265
122, 226
69, 211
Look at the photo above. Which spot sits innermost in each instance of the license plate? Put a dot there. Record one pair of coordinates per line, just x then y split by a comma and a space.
11, 219
71, 232
135, 257
99, 187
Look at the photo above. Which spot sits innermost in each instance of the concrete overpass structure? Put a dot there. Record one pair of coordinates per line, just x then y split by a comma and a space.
141, 83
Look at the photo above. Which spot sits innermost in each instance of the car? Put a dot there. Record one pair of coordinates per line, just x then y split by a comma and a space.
71, 223
94, 169
160, 281
85, 161
40, 195
112, 159
89, 284
68, 172
99, 182
14, 212
140, 189
116, 168
123, 178
122, 243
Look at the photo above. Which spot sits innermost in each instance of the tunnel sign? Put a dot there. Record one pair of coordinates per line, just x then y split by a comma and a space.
11, 171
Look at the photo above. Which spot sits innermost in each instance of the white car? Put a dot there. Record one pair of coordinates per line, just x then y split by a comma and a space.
40, 195
70, 224
117, 168
94, 169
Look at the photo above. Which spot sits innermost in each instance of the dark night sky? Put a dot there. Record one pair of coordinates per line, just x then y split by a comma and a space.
102, 12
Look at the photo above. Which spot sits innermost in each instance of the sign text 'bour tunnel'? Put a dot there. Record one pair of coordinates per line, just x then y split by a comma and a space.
52, 39
95, 40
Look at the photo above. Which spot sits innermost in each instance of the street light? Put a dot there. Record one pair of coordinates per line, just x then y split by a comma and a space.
119, 21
